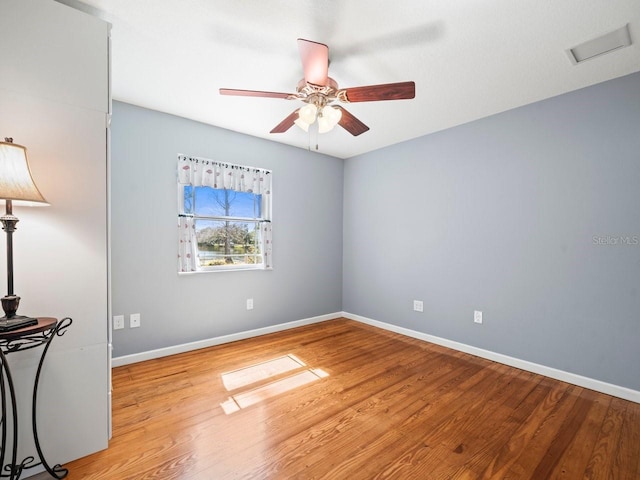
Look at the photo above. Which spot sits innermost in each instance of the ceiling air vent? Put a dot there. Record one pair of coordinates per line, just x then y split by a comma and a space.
599, 46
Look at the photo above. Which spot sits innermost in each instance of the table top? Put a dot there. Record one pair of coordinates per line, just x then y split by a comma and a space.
44, 324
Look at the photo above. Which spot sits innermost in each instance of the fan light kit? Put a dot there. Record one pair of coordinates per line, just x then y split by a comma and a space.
328, 117
318, 91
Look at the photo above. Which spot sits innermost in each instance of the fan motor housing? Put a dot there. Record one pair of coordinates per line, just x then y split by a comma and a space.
317, 94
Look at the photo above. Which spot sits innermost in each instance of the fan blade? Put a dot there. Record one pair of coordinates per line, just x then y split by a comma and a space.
350, 123
286, 124
254, 93
387, 91
315, 61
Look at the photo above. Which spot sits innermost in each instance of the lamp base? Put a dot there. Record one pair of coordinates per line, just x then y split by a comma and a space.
11, 321
16, 322
10, 305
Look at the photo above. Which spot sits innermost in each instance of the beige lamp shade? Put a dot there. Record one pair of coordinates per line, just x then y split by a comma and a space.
16, 183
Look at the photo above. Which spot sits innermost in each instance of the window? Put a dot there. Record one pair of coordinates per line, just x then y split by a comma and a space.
227, 225
224, 216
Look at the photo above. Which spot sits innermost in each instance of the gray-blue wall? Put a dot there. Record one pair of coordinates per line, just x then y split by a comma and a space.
518, 215
307, 231
530, 216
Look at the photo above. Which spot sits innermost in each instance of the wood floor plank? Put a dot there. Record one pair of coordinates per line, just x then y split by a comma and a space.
491, 442
509, 460
561, 438
391, 407
628, 438
576, 458
605, 452
483, 425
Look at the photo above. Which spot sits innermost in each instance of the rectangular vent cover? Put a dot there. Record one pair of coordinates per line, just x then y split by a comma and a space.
599, 46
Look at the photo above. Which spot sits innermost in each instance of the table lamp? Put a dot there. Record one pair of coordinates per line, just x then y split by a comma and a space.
16, 186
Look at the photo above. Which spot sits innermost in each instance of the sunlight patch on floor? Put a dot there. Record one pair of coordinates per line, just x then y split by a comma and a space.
247, 376
260, 371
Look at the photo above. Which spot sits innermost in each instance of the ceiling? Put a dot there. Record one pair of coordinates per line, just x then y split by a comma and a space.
469, 58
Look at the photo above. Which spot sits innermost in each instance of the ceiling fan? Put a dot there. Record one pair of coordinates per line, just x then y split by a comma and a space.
318, 91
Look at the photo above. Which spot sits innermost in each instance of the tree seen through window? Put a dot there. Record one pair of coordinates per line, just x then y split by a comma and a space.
227, 225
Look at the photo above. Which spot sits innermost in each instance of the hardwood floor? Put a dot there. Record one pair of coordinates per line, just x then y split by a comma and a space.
389, 407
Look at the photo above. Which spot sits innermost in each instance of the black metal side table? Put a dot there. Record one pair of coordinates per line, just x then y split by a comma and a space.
17, 340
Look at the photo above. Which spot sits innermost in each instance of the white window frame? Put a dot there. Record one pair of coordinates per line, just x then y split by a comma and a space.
260, 222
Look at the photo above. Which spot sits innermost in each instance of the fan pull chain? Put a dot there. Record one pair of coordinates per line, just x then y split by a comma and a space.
313, 135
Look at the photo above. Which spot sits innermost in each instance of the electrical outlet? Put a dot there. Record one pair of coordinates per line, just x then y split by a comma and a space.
477, 316
418, 306
249, 303
134, 320
118, 322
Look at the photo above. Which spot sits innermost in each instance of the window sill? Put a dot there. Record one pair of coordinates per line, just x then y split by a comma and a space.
220, 270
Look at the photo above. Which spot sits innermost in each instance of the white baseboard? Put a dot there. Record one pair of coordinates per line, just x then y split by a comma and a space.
579, 380
586, 382
210, 342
